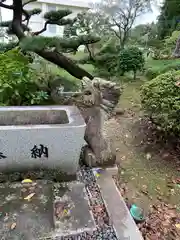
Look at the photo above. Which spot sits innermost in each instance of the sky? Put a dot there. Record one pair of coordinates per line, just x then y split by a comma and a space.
149, 17
146, 18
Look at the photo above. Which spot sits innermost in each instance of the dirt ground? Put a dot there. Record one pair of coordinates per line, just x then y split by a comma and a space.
148, 170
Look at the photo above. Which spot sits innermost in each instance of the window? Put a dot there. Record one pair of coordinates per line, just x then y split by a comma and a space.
51, 27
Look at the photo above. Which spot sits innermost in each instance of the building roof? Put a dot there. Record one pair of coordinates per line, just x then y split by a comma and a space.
74, 3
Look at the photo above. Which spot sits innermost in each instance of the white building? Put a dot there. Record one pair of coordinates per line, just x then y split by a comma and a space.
37, 21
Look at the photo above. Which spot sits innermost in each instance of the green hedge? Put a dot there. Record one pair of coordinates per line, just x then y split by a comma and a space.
161, 101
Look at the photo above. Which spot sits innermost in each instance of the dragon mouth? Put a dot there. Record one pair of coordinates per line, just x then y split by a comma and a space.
97, 92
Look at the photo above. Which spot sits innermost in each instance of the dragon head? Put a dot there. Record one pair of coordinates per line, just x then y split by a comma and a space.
100, 92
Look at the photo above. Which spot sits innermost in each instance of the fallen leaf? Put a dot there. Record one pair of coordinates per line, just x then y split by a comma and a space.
172, 191
144, 189
177, 225
97, 175
13, 226
98, 209
29, 196
148, 156
27, 181
165, 155
170, 185
177, 180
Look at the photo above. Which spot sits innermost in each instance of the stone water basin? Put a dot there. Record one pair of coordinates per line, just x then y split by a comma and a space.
41, 137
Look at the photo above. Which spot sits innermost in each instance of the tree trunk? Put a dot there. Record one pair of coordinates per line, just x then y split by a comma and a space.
90, 53
122, 73
65, 63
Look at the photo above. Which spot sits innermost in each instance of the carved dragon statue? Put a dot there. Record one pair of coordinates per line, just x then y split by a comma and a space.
96, 102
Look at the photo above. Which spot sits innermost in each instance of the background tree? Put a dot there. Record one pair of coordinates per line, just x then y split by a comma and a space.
131, 59
90, 23
122, 14
49, 48
169, 18
106, 59
144, 34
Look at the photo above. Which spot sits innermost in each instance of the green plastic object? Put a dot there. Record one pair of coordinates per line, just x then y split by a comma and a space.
137, 213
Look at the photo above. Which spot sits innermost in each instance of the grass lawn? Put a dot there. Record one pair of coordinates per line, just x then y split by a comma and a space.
145, 168
162, 64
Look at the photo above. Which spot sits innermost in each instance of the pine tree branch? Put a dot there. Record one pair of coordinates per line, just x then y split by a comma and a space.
65, 63
30, 13
30, 1
42, 30
61, 22
55, 16
53, 56
61, 44
6, 6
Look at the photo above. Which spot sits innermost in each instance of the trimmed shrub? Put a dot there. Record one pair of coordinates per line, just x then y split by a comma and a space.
161, 101
131, 59
106, 61
151, 73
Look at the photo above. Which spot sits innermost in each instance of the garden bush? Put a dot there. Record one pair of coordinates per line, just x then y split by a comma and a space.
152, 73
106, 61
161, 101
131, 59
17, 81
50, 76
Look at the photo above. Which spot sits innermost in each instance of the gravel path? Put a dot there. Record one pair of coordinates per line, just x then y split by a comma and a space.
105, 230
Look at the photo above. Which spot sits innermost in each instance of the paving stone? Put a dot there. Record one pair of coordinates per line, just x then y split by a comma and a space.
72, 213
31, 219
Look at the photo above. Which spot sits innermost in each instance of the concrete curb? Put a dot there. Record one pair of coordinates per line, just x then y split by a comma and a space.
122, 221
112, 170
